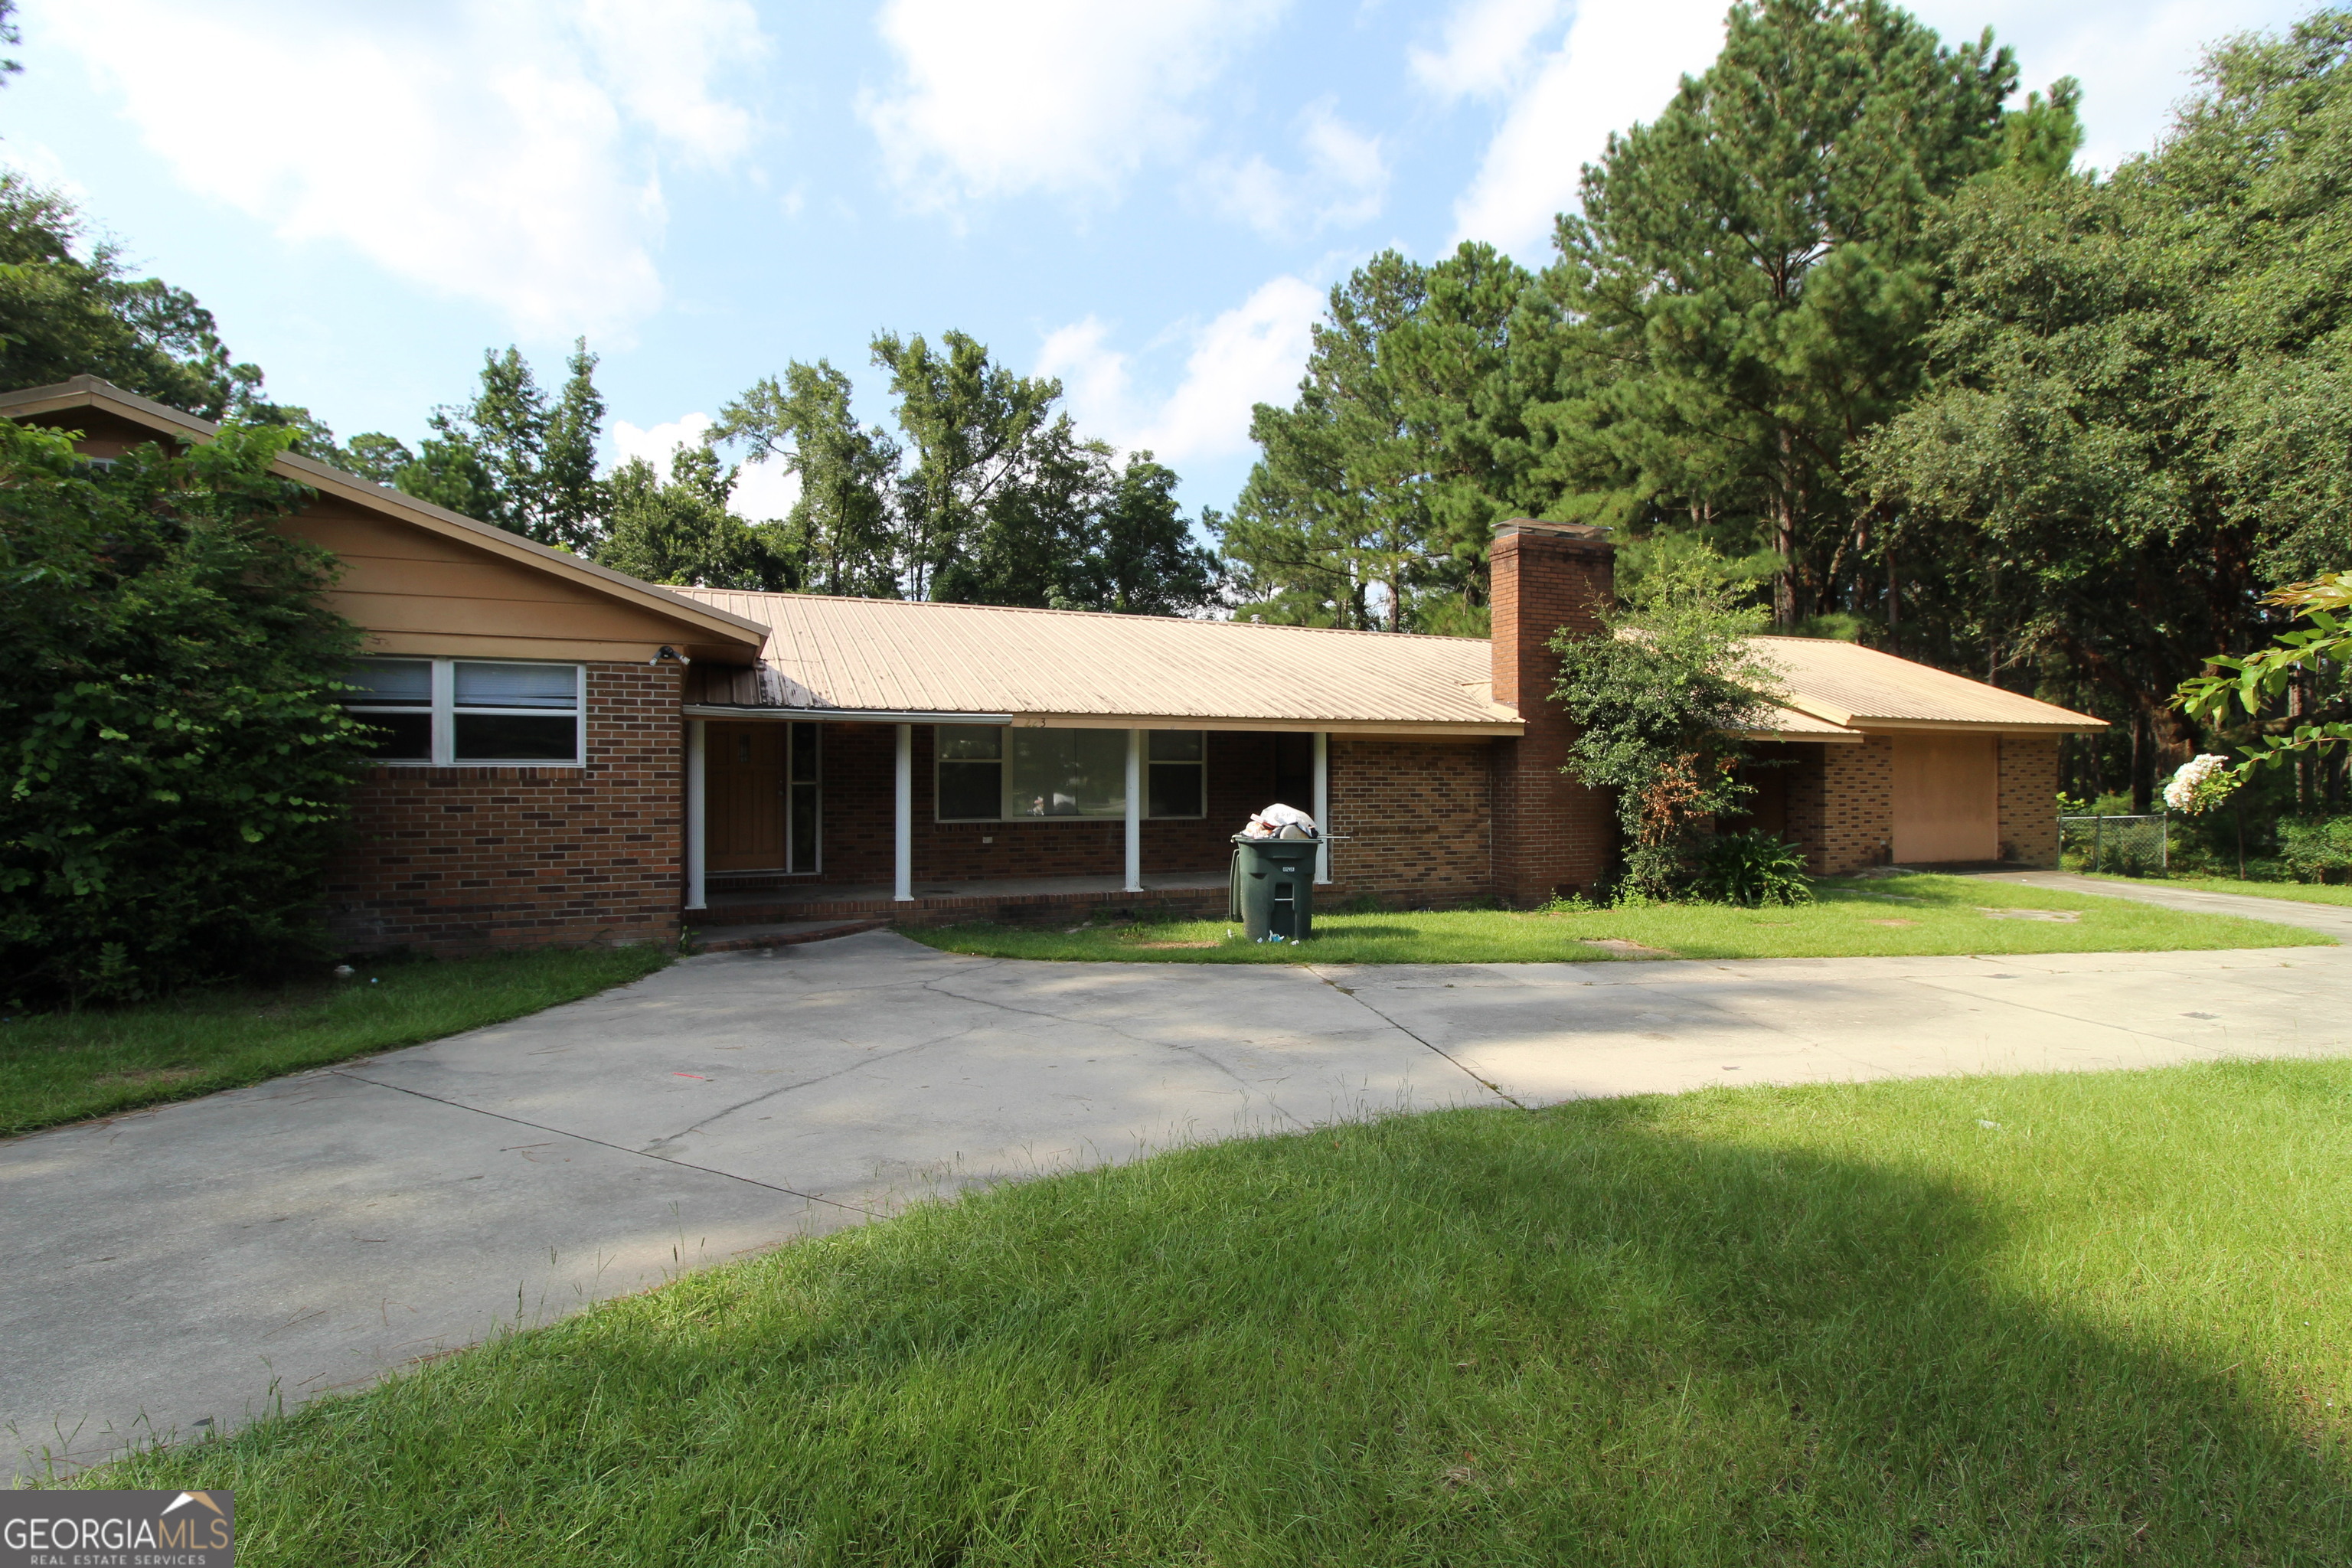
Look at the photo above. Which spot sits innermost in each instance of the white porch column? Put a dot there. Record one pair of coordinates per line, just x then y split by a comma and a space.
1134, 811
1323, 803
903, 889
697, 818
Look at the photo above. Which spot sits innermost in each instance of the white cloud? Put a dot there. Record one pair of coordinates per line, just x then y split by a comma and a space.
2135, 58
1251, 353
1344, 182
1618, 65
503, 153
1489, 47
763, 490
1065, 97
38, 161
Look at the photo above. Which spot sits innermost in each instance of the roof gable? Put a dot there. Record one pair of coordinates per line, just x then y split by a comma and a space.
707, 623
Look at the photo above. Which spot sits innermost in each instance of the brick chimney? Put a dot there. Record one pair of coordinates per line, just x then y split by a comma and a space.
1552, 833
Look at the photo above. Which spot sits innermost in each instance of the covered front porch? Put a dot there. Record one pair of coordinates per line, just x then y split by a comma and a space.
797, 815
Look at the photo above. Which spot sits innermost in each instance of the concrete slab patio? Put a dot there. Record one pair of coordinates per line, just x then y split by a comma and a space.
186, 1268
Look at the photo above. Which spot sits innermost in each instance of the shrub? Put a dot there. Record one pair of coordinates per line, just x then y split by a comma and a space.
2315, 848
173, 761
1659, 699
1753, 869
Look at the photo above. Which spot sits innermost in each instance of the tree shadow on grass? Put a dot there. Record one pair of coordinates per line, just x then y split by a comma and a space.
1586, 1335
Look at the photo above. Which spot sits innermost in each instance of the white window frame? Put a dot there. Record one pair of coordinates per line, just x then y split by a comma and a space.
1003, 765
444, 711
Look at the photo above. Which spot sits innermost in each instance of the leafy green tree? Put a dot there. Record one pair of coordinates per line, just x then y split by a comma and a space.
993, 497
1751, 277
685, 530
972, 427
1140, 558
2142, 409
1660, 697
69, 307
1377, 491
174, 756
2255, 692
506, 456
841, 527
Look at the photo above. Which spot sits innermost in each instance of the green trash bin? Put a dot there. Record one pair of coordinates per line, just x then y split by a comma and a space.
1274, 887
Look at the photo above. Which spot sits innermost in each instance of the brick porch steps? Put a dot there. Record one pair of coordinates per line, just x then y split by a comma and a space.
1008, 901
779, 934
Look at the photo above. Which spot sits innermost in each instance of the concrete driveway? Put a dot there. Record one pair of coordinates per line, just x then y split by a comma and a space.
183, 1270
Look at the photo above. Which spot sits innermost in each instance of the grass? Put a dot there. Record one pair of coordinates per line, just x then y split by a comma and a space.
2039, 1320
1909, 915
2297, 892
56, 1067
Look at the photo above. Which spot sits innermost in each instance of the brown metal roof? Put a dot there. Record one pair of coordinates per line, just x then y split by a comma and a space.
883, 657
1861, 688
1774, 722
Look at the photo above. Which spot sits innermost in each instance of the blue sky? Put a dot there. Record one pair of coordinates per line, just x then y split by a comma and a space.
1145, 199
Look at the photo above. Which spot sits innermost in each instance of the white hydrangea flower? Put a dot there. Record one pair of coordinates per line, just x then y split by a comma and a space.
2199, 784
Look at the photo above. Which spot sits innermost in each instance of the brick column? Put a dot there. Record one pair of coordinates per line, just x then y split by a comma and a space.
2029, 799
1550, 833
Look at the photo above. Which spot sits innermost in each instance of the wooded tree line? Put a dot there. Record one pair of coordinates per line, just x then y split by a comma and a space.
1844, 318
986, 493
1841, 323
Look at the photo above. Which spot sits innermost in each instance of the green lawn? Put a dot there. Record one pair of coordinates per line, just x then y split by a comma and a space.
1873, 916
2298, 892
2039, 1320
65, 1066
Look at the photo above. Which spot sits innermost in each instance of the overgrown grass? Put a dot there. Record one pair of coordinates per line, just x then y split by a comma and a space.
64, 1067
2048, 1319
1907, 915
2297, 892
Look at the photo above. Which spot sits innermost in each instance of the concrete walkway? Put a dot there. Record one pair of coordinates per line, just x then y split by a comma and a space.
183, 1270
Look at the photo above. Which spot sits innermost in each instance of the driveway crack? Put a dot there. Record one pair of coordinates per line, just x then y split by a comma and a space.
1466, 1070
617, 1148
1110, 1028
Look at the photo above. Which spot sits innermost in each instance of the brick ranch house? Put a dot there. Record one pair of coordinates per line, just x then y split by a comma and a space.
573, 755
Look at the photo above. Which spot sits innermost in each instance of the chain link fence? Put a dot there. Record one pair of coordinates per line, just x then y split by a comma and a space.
2128, 846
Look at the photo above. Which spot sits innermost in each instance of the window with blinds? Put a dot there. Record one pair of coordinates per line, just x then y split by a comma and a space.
481, 712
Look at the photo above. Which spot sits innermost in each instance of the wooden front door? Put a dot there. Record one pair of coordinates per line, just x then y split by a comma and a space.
1947, 798
746, 781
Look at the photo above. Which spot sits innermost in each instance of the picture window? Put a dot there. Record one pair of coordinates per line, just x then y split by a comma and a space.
990, 774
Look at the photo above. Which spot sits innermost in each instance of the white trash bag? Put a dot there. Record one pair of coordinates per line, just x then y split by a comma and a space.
1281, 821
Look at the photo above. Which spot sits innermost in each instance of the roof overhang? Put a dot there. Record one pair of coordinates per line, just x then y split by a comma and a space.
1432, 731
1847, 718
714, 633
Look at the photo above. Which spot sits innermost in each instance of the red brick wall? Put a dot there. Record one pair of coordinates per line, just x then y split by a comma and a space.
858, 794
1549, 832
2029, 799
1418, 817
452, 859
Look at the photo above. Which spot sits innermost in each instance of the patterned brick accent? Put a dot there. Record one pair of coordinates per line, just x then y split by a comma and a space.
453, 860
1845, 803
1549, 832
2029, 799
1418, 817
